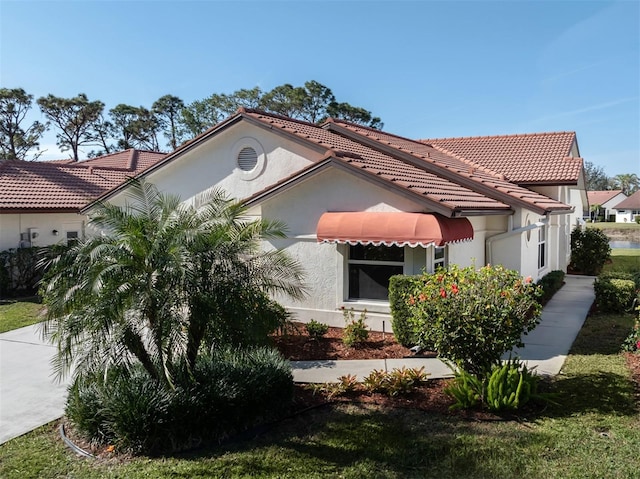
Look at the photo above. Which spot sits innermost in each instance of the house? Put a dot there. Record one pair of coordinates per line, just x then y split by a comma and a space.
362, 204
605, 201
628, 209
40, 202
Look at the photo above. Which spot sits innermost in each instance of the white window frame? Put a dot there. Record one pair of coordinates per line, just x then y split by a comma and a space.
543, 251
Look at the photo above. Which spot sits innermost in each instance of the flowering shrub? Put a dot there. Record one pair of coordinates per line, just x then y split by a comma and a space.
472, 317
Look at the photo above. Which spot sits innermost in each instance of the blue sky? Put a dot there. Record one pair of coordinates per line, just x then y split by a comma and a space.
428, 69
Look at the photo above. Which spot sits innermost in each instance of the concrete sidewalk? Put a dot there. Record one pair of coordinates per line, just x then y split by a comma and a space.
30, 397
546, 347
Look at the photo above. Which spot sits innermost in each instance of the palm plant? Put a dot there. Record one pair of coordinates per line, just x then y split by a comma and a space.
160, 282
627, 182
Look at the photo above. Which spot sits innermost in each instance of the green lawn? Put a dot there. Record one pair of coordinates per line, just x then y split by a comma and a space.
593, 432
615, 226
624, 259
19, 313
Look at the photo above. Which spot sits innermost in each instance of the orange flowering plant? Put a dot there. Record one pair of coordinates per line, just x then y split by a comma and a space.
473, 316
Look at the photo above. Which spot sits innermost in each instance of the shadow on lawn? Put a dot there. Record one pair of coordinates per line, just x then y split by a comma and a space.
371, 443
604, 393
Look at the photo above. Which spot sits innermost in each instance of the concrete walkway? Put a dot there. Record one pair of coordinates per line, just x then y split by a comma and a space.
546, 347
29, 396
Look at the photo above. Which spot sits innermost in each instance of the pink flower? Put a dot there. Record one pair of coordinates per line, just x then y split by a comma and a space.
422, 297
412, 300
528, 279
443, 293
454, 288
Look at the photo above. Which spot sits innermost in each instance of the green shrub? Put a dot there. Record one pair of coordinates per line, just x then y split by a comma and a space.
614, 295
228, 392
401, 288
629, 276
507, 387
472, 317
510, 386
20, 271
632, 341
396, 382
550, 284
590, 250
356, 331
316, 329
466, 389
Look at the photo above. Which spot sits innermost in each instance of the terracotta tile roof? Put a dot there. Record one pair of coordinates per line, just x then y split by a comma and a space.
535, 158
411, 165
66, 185
631, 203
601, 197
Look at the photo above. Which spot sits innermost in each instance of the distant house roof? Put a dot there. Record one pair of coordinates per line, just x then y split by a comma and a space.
631, 203
527, 159
601, 197
62, 186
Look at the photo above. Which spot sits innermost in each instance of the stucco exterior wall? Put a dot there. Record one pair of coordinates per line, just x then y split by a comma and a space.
213, 163
12, 225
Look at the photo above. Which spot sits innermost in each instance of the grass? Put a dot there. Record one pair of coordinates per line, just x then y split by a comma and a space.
19, 313
614, 226
624, 259
592, 432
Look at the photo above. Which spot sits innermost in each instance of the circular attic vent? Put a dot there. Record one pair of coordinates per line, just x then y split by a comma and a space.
247, 159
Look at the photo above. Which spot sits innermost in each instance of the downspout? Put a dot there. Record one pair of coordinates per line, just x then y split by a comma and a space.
511, 232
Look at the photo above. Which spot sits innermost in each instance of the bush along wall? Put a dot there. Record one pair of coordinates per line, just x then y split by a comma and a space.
19, 271
550, 284
22, 269
401, 288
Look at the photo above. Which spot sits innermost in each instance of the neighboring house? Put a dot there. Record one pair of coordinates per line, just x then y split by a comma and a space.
40, 202
607, 200
362, 205
627, 210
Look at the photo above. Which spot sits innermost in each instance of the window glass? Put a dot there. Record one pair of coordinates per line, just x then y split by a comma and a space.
542, 247
369, 252
370, 268
368, 281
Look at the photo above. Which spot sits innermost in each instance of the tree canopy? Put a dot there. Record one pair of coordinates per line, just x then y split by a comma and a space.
74, 119
16, 140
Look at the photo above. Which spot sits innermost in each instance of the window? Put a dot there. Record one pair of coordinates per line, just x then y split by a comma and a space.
370, 268
72, 237
542, 247
439, 257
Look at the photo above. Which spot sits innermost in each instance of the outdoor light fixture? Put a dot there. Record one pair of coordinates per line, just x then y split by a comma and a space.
55, 232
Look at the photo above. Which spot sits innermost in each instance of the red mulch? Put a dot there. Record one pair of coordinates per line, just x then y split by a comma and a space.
298, 346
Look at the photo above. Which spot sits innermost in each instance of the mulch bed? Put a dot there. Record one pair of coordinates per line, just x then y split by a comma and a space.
298, 346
